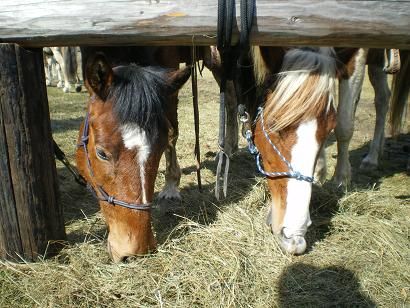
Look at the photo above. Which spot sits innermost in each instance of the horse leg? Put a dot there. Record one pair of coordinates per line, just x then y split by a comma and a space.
77, 55
378, 79
349, 95
49, 70
60, 82
66, 75
60, 65
231, 130
321, 167
212, 61
172, 169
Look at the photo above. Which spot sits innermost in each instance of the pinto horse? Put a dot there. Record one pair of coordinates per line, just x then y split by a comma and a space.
131, 121
295, 95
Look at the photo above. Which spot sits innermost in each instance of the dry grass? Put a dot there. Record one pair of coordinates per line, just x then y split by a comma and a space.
221, 254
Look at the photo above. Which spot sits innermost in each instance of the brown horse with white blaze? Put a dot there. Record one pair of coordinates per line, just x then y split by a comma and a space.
131, 120
296, 94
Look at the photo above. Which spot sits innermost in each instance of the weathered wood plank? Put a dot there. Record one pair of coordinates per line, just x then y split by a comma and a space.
9, 231
367, 23
31, 215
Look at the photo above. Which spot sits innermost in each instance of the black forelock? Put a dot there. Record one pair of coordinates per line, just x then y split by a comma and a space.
139, 96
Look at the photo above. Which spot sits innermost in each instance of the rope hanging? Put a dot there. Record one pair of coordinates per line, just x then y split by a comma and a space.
226, 19
230, 62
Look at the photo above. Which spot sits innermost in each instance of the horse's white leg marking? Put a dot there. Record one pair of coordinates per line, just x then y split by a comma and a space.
349, 94
378, 78
48, 71
172, 170
60, 83
134, 137
321, 167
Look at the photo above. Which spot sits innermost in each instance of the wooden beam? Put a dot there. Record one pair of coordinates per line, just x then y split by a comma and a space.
358, 23
30, 217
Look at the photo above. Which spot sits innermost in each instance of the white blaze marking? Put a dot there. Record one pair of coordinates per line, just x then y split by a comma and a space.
135, 137
304, 152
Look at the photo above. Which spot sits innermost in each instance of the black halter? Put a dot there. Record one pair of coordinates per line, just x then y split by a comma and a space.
103, 195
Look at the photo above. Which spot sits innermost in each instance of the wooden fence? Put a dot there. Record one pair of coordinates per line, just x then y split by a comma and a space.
30, 215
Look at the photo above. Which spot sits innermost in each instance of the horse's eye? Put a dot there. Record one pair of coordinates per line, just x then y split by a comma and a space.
101, 154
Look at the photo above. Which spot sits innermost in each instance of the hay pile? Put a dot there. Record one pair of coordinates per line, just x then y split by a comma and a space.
222, 254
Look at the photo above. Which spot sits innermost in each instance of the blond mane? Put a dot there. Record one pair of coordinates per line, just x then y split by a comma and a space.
305, 86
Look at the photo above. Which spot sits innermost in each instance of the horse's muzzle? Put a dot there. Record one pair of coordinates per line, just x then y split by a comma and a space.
295, 245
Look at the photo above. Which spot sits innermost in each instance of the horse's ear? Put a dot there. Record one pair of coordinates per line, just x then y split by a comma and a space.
177, 78
98, 75
344, 61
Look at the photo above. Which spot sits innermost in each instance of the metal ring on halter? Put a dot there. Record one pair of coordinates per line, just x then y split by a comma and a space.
244, 118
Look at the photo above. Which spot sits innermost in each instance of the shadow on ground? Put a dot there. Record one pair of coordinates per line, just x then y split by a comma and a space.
303, 285
63, 125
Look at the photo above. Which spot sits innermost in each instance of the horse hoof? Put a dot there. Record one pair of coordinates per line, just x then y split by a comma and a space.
78, 89
341, 181
66, 90
170, 193
367, 166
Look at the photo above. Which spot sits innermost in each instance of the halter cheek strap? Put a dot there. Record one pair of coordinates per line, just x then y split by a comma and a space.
102, 195
254, 151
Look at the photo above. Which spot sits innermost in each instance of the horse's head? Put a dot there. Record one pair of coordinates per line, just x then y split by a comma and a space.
121, 143
297, 116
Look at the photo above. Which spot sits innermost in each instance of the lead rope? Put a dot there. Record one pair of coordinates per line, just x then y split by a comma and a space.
60, 155
194, 79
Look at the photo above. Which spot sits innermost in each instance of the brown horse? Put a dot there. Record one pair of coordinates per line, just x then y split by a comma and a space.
296, 93
131, 120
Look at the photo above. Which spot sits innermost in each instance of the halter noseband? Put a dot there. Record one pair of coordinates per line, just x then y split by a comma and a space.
254, 151
103, 195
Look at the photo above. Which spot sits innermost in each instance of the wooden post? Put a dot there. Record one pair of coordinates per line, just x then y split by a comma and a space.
31, 220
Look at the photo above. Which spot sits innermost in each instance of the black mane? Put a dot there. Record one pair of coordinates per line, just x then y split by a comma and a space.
139, 96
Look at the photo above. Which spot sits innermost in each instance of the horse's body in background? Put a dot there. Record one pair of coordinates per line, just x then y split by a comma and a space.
350, 87
63, 61
51, 68
400, 96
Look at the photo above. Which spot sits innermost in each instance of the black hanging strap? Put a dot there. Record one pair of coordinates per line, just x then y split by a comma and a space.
244, 85
231, 55
59, 154
226, 22
194, 79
